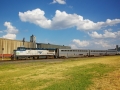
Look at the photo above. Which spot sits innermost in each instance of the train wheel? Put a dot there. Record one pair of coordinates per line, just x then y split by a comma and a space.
38, 57
17, 58
47, 57
33, 57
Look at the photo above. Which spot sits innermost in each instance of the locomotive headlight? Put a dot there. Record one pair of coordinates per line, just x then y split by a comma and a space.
17, 52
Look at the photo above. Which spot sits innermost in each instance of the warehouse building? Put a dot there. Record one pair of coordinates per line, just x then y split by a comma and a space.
7, 45
43, 45
117, 48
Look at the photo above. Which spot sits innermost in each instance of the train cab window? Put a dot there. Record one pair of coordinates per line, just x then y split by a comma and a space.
21, 48
27, 48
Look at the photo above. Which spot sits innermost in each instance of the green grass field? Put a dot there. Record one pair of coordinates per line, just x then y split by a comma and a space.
94, 73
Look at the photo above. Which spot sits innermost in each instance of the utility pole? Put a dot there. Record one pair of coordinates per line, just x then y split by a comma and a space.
23, 41
2, 53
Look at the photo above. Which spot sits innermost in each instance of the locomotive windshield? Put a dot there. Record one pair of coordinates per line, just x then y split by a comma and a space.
21, 48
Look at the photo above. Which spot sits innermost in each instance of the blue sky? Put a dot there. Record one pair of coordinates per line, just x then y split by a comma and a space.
87, 24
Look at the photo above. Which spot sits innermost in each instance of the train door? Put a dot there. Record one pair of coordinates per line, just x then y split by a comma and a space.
57, 53
88, 52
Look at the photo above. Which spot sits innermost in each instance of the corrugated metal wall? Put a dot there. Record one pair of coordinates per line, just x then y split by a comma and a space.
10, 45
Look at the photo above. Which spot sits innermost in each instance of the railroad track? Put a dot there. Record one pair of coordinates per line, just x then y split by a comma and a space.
27, 61
42, 60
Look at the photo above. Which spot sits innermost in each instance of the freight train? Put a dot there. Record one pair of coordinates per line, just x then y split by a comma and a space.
37, 53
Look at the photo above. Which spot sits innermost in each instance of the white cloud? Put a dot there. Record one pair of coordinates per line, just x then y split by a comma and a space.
104, 44
76, 43
95, 35
11, 31
118, 33
99, 44
73, 46
112, 22
35, 16
107, 34
59, 1
63, 20
10, 36
87, 24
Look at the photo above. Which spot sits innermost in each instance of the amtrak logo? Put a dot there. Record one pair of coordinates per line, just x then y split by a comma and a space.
40, 52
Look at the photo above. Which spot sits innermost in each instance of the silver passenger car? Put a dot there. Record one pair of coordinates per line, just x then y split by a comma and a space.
98, 52
111, 52
73, 53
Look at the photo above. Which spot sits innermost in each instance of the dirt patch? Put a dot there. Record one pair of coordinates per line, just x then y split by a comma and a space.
109, 81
